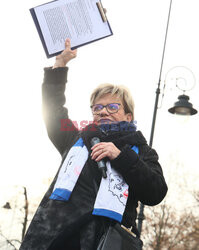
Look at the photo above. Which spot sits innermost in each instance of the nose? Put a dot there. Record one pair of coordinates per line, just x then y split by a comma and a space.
103, 112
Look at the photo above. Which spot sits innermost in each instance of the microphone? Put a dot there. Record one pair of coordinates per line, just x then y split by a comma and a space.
101, 164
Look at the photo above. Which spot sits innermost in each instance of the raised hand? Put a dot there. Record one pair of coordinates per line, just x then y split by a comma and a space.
65, 56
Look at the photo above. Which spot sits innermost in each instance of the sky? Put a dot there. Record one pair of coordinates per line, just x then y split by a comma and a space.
132, 57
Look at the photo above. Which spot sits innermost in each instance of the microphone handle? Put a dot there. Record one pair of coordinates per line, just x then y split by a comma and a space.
101, 164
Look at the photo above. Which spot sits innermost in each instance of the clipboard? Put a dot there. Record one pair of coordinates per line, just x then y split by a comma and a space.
41, 33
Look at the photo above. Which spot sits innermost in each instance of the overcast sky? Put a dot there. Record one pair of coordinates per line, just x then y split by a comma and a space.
132, 56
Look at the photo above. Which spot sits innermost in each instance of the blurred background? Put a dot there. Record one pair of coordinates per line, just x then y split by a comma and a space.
132, 56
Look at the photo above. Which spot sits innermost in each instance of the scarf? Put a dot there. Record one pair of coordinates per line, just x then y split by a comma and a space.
113, 191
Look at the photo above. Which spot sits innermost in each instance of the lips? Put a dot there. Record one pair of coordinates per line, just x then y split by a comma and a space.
106, 121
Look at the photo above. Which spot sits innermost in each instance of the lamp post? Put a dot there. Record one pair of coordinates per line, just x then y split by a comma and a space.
141, 212
181, 107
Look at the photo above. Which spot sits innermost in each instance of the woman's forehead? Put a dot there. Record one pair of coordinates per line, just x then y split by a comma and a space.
108, 98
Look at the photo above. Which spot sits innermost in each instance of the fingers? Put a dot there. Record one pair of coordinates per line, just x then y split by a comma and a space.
98, 152
73, 53
97, 147
99, 155
104, 149
67, 44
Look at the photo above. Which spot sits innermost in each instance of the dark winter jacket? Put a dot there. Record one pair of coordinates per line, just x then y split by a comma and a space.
142, 172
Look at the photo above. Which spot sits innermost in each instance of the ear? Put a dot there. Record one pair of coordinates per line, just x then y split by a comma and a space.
129, 117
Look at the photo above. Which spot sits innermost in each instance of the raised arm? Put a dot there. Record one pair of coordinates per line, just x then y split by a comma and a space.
54, 112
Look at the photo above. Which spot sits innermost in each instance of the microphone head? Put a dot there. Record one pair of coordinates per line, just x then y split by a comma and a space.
95, 140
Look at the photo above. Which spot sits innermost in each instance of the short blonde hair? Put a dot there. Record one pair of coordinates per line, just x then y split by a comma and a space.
120, 91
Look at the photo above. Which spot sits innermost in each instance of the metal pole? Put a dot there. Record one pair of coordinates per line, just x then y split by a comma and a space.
141, 212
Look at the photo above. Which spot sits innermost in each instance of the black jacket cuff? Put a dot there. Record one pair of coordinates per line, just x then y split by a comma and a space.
125, 160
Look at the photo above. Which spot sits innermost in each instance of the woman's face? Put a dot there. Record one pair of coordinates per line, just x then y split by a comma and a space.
103, 116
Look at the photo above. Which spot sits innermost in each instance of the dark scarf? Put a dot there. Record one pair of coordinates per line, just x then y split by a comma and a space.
121, 134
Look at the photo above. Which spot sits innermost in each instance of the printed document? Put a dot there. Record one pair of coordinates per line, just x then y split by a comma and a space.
79, 20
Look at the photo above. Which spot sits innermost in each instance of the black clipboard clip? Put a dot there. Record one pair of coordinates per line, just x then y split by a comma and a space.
101, 10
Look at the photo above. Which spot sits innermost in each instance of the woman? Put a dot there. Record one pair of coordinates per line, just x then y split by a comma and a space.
79, 204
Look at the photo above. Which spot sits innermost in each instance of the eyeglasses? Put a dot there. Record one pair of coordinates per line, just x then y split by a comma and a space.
111, 108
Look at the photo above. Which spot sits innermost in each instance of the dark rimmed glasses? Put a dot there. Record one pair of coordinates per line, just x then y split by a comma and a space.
111, 108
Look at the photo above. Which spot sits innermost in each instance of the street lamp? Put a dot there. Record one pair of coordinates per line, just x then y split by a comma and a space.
181, 107
184, 81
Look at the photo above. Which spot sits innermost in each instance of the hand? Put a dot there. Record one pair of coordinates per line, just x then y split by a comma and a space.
104, 149
65, 56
